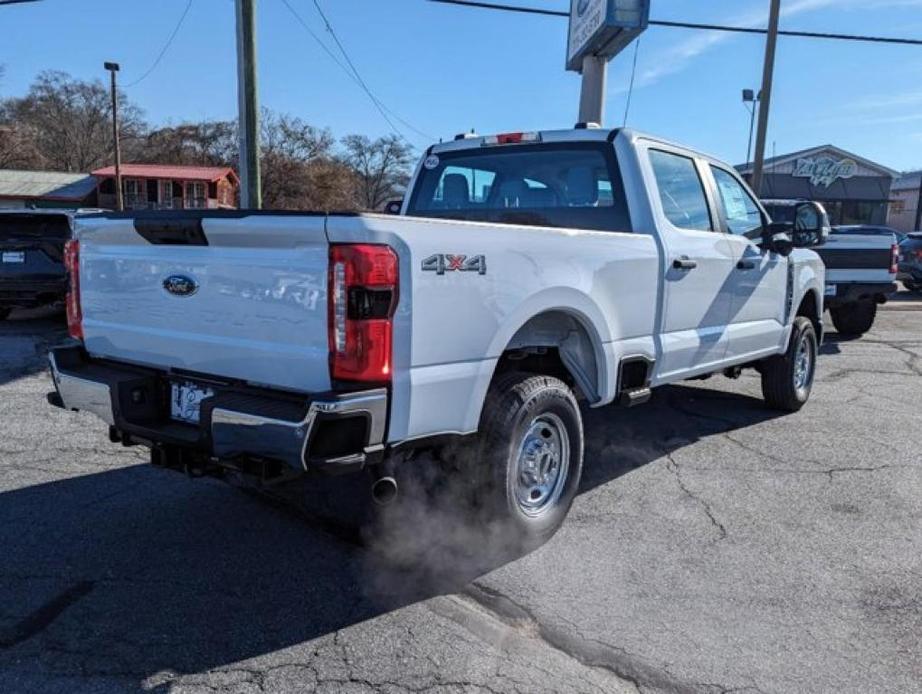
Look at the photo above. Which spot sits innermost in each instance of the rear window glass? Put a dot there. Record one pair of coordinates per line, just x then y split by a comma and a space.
558, 185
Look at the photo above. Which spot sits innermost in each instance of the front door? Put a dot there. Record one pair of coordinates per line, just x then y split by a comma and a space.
759, 278
697, 269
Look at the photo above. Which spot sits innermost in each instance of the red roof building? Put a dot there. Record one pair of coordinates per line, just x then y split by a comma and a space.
167, 187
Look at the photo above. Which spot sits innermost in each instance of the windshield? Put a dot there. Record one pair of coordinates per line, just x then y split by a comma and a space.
574, 185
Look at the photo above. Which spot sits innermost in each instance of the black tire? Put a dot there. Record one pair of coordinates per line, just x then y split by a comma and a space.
854, 319
541, 412
782, 387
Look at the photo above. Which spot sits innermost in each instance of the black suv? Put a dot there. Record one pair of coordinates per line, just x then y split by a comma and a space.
32, 257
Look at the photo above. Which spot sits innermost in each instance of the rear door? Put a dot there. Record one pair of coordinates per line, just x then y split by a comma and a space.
241, 297
758, 277
698, 267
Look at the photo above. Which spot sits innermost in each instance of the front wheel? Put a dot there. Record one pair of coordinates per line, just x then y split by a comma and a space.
787, 379
529, 456
854, 319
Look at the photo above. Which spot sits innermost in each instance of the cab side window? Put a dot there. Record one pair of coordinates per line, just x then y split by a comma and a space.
681, 191
741, 212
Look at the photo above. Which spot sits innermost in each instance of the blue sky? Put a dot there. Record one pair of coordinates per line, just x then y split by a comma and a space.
445, 69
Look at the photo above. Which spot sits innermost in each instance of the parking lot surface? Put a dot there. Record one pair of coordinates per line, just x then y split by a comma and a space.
715, 547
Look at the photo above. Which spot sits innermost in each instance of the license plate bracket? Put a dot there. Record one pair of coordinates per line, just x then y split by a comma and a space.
186, 401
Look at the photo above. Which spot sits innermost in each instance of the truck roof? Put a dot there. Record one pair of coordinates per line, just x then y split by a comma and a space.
466, 141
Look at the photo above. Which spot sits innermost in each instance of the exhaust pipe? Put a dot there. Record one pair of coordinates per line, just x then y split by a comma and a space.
384, 490
384, 486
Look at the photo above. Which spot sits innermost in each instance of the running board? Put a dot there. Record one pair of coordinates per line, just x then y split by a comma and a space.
634, 396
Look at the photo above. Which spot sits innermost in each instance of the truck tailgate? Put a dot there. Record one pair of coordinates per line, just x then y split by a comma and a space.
857, 258
240, 297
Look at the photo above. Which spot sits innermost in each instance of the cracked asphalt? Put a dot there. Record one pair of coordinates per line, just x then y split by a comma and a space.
715, 547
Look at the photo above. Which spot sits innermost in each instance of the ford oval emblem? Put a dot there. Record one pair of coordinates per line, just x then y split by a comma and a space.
180, 285
581, 7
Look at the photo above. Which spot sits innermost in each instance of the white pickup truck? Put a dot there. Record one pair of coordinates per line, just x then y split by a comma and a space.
527, 271
861, 267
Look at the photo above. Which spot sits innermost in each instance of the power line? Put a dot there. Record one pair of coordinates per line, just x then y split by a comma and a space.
693, 25
353, 73
165, 48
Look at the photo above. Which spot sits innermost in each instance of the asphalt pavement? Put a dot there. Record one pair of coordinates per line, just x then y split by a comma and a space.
716, 546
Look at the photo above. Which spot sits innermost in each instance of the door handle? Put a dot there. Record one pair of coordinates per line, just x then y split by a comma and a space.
684, 263
746, 265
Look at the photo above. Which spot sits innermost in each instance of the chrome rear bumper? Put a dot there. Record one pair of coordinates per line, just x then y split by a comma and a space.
232, 424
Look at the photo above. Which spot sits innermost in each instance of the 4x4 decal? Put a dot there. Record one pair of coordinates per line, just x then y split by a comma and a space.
442, 263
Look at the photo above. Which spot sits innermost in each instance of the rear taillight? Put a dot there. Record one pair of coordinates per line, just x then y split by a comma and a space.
74, 311
363, 282
894, 259
918, 255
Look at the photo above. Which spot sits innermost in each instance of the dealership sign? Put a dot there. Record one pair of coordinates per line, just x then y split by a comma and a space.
603, 28
824, 171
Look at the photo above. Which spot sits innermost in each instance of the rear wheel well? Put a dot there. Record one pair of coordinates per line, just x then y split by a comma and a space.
556, 344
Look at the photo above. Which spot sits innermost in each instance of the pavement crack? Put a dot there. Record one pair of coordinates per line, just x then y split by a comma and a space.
673, 466
593, 653
44, 616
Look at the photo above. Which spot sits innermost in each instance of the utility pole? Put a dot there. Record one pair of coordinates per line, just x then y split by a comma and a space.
248, 107
592, 94
749, 97
119, 202
764, 107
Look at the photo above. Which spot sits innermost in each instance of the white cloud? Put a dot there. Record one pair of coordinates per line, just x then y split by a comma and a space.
681, 54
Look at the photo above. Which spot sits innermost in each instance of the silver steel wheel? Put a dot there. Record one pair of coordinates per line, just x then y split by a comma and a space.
542, 465
803, 363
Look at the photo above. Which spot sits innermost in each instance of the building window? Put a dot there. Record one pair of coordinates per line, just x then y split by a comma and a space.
195, 194
166, 194
133, 193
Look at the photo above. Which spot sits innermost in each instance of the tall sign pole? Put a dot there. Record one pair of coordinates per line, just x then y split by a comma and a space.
592, 92
599, 30
119, 202
248, 107
768, 71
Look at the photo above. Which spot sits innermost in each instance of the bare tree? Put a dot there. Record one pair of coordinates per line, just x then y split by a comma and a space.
299, 169
207, 143
69, 121
381, 167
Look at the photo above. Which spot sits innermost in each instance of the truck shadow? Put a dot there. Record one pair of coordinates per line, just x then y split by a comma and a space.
138, 570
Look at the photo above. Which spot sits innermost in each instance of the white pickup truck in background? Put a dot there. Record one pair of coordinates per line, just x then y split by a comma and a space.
527, 270
861, 268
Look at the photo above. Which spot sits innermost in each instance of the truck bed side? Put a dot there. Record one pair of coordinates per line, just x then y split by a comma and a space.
451, 328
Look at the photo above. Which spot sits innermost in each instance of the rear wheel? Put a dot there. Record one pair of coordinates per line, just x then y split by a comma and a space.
787, 379
529, 456
854, 319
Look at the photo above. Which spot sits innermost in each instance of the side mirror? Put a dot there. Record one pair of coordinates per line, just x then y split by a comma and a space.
393, 207
811, 225
777, 240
